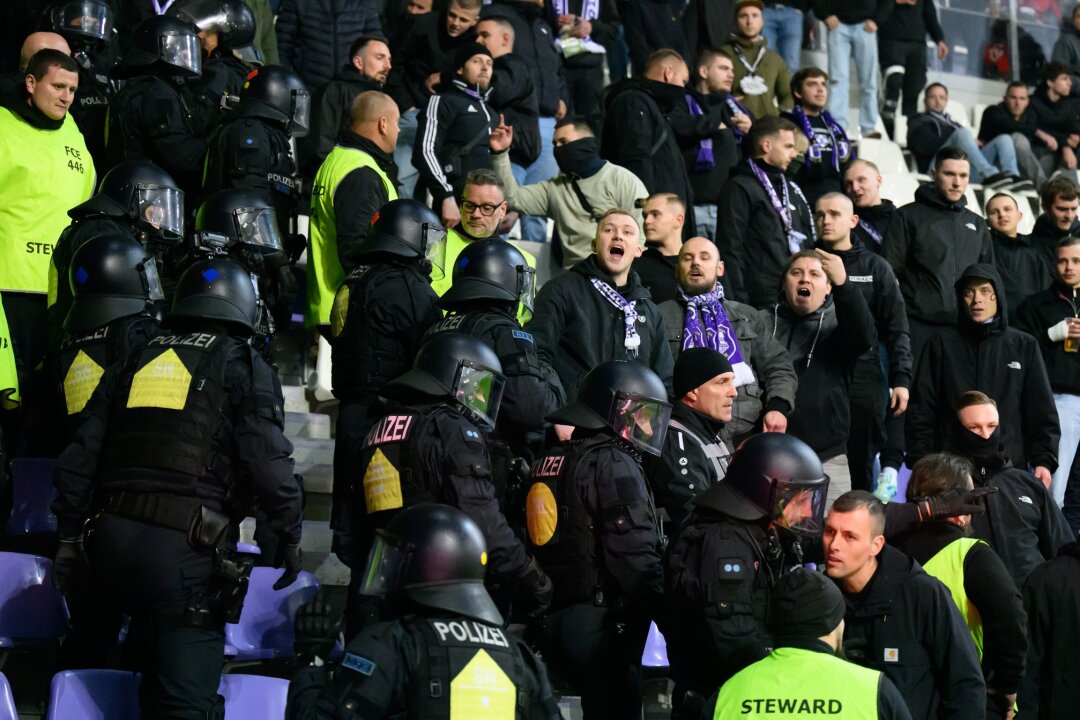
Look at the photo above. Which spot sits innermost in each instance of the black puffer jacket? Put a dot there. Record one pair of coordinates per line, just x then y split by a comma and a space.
1003, 363
1025, 265
314, 35
942, 239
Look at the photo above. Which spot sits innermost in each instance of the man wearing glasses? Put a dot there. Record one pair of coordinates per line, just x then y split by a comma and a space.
983, 353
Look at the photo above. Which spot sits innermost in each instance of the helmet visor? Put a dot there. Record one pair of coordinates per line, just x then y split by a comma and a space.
182, 51
479, 390
257, 229
800, 506
163, 209
527, 295
151, 280
89, 18
433, 246
301, 113
385, 566
640, 421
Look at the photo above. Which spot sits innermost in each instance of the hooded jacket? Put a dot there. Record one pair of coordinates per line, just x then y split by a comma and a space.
1025, 265
1038, 314
1046, 234
904, 623
576, 328
1022, 522
1003, 363
941, 239
772, 70
824, 347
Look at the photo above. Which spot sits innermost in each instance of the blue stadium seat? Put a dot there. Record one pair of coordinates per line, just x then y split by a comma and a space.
253, 697
94, 695
655, 655
32, 612
7, 701
265, 630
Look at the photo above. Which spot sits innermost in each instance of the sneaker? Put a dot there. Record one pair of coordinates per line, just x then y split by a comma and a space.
872, 135
1021, 185
999, 180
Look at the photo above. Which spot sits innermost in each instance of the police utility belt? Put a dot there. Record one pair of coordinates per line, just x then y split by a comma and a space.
206, 527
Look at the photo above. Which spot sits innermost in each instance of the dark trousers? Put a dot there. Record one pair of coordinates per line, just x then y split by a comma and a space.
866, 436
26, 428
353, 423
912, 56
162, 582
585, 85
598, 651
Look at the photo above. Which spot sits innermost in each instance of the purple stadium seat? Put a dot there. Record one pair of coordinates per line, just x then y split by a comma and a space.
7, 701
253, 697
94, 695
32, 493
655, 655
903, 476
248, 548
265, 630
31, 611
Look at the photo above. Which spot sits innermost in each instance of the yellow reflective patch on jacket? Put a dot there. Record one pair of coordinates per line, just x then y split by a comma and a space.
161, 383
482, 690
541, 514
80, 382
382, 484
339, 312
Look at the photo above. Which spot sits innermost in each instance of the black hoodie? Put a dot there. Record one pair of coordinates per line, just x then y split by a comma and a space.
1039, 313
1046, 234
1024, 265
941, 238
885, 219
1003, 363
1059, 118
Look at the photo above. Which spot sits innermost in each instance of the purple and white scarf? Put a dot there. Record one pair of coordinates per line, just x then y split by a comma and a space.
707, 325
783, 207
869, 229
631, 340
736, 108
841, 146
705, 159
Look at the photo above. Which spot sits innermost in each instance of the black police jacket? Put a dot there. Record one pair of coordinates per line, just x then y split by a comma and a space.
885, 220
576, 328
405, 669
1000, 361
940, 241
223, 75
252, 153
90, 109
151, 448
905, 624
1040, 312
1026, 266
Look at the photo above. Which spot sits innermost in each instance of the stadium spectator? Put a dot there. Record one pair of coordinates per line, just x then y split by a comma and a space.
708, 23
584, 29
1059, 199
1067, 48
880, 222
314, 38
652, 26
1058, 115
761, 77
853, 26
829, 150
784, 29
1016, 256
1015, 118
663, 217
902, 44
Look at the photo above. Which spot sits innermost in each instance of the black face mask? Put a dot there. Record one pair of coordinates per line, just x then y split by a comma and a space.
578, 157
971, 445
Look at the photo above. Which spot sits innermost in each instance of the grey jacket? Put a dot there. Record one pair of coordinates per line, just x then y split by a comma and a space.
776, 383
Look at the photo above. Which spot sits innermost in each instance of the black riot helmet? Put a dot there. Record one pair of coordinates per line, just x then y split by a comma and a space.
111, 277
83, 20
235, 219
277, 94
773, 477
218, 289
232, 20
459, 368
491, 270
437, 556
144, 194
624, 397
161, 42
406, 228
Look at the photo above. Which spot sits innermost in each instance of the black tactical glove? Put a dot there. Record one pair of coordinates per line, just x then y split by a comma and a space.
317, 628
536, 590
953, 503
70, 561
291, 557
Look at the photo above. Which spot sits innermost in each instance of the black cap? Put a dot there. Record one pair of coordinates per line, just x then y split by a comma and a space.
805, 604
466, 53
697, 366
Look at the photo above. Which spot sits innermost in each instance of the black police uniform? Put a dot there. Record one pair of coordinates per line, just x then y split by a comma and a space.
173, 446
91, 107
223, 76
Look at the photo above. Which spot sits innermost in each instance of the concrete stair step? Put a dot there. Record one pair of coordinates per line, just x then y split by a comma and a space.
295, 398
314, 460
309, 425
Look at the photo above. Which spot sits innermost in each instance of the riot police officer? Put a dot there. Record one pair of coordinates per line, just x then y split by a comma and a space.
592, 525
224, 25
137, 199
379, 316
175, 444
89, 26
740, 537
251, 150
148, 118
428, 447
447, 647
492, 279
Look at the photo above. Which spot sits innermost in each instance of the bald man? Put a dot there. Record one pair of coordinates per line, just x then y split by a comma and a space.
879, 220
34, 42
357, 178
836, 220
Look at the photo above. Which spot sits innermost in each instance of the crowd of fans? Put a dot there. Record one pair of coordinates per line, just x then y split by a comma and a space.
705, 191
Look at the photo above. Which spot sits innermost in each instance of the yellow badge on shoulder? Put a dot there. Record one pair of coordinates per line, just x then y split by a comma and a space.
382, 484
161, 383
80, 382
482, 690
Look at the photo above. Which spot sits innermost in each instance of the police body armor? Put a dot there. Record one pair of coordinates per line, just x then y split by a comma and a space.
222, 78
91, 108
228, 162
466, 667
562, 532
124, 136
168, 417
364, 360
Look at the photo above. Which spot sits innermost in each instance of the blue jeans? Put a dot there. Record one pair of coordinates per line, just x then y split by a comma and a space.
407, 175
1068, 407
705, 220
783, 31
998, 155
534, 229
845, 42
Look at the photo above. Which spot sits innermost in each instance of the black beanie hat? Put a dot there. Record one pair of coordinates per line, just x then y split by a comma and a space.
467, 51
697, 366
805, 604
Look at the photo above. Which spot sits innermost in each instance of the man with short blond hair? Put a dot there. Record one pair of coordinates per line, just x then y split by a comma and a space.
664, 215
